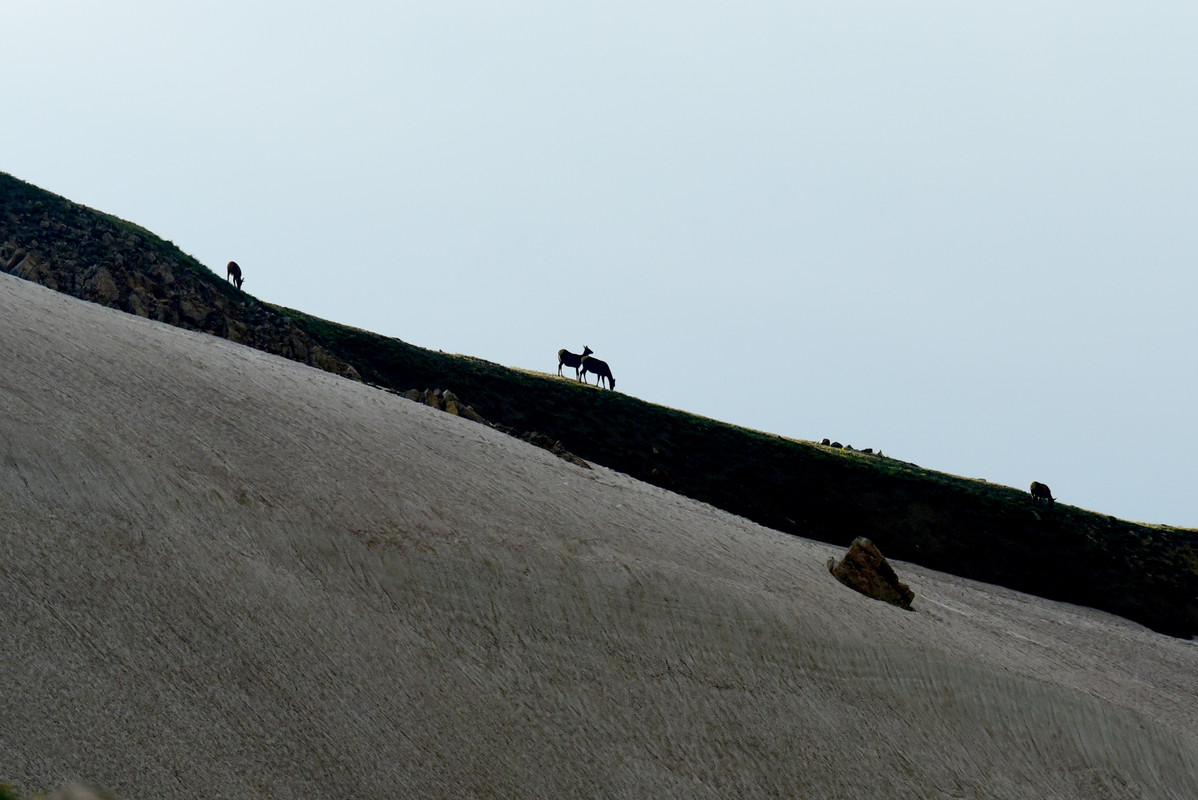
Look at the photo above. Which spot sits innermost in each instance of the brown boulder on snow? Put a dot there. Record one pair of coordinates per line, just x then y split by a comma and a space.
866, 570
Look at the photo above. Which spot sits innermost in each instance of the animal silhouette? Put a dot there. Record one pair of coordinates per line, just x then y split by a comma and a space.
1041, 491
566, 358
233, 273
600, 369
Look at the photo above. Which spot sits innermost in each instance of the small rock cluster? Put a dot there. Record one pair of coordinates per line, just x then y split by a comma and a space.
849, 447
545, 443
447, 401
444, 400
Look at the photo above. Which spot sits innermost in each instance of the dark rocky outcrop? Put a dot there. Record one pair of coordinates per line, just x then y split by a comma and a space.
866, 570
93, 256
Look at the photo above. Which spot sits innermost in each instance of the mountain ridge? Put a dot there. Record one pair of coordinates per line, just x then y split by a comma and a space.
971, 528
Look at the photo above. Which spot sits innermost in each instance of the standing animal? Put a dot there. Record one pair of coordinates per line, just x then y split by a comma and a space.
600, 370
565, 357
233, 273
1041, 491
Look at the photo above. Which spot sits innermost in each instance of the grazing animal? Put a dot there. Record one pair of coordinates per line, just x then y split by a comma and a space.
1041, 491
565, 357
600, 369
233, 273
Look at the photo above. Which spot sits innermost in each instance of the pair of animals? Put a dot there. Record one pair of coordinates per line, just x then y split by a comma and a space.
585, 363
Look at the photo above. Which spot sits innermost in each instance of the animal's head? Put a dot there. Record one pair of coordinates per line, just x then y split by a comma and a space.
586, 351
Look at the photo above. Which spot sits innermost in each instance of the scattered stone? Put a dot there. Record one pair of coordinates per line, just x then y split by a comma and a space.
452, 404
505, 429
447, 401
865, 569
545, 443
137, 304
101, 288
14, 257
444, 400
472, 415
538, 439
193, 313
434, 398
563, 453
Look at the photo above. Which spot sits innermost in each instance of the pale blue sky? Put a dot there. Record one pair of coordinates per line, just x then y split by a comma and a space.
958, 232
